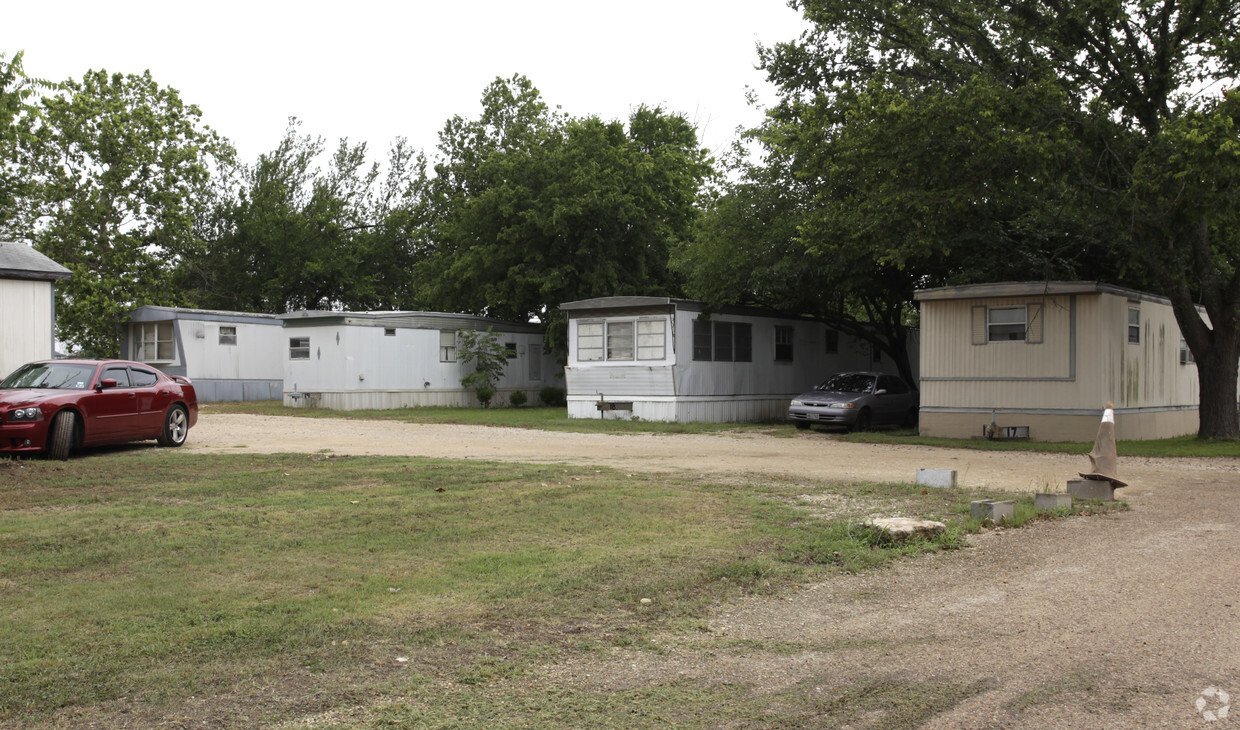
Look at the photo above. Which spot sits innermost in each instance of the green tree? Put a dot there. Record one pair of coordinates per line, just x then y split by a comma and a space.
284, 234
489, 357
18, 114
533, 208
119, 163
958, 133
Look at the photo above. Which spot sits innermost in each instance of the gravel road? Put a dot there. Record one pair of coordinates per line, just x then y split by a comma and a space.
1114, 621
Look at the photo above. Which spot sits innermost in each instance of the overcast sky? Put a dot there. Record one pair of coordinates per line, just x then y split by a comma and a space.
373, 71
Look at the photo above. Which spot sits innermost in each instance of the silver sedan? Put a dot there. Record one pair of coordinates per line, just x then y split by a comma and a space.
856, 401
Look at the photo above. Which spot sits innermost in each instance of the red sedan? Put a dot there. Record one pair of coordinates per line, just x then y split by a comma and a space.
59, 405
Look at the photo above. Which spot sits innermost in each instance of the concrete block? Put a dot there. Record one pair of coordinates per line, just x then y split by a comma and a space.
1091, 489
941, 478
995, 510
1051, 502
902, 528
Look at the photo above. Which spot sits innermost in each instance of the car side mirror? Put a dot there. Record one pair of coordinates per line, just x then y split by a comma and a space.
880, 391
107, 383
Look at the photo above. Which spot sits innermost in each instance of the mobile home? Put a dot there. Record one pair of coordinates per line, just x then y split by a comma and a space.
381, 360
661, 359
1048, 356
229, 355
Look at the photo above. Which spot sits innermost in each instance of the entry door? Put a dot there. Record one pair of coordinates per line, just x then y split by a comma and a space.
114, 411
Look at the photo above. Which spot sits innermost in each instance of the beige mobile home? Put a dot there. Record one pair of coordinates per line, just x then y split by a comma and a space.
1049, 356
661, 359
27, 305
360, 360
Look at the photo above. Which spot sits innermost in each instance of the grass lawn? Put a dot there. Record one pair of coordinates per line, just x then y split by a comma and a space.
146, 587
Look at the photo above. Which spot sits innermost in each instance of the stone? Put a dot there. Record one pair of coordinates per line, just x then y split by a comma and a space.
1051, 502
1099, 489
942, 478
902, 528
995, 510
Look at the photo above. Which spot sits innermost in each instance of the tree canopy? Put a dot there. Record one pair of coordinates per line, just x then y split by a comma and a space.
948, 142
533, 208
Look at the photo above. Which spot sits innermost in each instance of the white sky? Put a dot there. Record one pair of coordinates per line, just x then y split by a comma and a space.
372, 71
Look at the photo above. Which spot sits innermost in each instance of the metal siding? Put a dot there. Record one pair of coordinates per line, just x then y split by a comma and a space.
26, 310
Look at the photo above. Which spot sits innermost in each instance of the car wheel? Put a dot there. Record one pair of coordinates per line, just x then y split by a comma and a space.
176, 427
61, 435
801, 425
863, 420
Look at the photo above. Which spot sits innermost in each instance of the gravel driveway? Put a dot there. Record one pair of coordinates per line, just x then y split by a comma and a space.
1115, 621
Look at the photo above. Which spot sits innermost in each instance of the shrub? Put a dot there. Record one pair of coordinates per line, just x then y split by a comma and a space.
485, 393
517, 399
552, 396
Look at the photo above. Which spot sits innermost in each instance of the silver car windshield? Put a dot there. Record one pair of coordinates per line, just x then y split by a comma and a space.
50, 375
848, 383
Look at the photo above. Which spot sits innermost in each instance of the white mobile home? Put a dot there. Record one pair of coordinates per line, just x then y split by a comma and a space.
379, 360
228, 355
663, 359
1049, 356
27, 305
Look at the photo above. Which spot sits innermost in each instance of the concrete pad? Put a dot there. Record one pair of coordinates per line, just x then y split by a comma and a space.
941, 478
1091, 489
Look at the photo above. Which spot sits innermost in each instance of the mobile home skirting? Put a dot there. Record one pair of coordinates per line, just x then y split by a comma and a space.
687, 409
382, 400
1131, 424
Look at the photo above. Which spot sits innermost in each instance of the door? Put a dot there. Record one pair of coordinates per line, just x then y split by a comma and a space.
153, 398
113, 410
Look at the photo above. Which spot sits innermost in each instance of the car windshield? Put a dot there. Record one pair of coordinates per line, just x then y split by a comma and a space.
50, 375
849, 383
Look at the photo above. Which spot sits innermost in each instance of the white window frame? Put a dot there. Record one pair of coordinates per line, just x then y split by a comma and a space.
154, 342
1134, 327
297, 350
996, 325
785, 337
447, 345
228, 337
639, 339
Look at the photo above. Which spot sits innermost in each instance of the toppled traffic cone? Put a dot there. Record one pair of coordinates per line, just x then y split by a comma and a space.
1102, 460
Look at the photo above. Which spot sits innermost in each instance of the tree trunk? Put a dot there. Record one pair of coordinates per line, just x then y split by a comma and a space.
1216, 376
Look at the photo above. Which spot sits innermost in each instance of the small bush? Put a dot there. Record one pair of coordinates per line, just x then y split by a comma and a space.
517, 399
485, 394
552, 396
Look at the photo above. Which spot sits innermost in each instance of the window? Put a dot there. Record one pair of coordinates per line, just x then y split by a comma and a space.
833, 342
120, 375
1005, 324
589, 341
389, 331
447, 346
299, 348
619, 340
651, 339
1134, 325
892, 385
624, 339
154, 342
722, 341
783, 343
142, 378
228, 335
511, 350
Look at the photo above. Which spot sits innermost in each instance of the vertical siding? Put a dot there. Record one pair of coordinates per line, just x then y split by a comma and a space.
26, 317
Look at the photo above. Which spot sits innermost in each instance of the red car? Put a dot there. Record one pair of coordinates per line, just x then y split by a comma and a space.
59, 405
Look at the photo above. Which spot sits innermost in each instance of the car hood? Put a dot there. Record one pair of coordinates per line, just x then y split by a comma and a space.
824, 396
27, 396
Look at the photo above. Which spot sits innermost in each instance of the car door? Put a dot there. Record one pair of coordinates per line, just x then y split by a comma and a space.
153, 398
113, 410
891, 406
